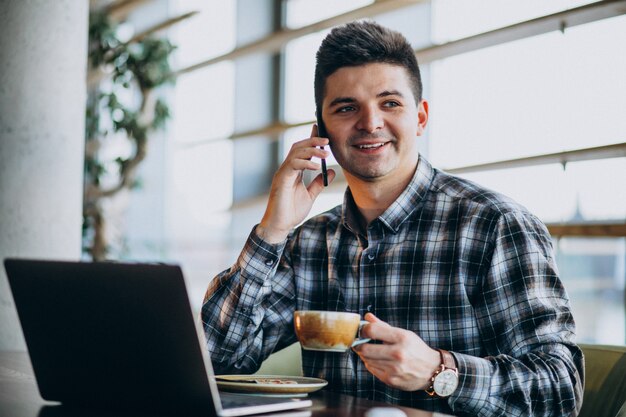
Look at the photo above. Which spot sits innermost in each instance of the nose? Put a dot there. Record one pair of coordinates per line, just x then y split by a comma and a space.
370, 119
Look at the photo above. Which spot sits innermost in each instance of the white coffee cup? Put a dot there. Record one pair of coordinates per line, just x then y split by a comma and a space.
328, 331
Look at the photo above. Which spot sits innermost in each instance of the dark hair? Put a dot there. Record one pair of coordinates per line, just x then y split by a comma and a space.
360, 43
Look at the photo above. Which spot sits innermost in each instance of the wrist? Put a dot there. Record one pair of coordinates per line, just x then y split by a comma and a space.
435, 361
432, 363
271, 235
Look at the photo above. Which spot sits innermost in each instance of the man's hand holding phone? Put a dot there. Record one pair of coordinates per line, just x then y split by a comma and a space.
290, 200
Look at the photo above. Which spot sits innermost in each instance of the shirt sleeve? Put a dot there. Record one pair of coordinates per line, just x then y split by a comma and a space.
247, 311
531, 365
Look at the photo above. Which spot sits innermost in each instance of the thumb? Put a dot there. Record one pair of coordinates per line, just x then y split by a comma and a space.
317, 185
378, 329
372, 318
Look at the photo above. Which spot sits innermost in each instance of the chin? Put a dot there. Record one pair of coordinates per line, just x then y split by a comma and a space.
368, 175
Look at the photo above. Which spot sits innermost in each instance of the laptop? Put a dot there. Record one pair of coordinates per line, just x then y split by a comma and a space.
121, 336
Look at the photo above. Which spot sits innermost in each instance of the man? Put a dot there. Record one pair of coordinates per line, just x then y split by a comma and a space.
459, 284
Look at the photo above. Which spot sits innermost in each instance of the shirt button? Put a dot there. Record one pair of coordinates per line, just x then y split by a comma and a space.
371, 256
369, 308
269, 262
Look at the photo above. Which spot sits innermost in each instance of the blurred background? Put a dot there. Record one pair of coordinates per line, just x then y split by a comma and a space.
527, 98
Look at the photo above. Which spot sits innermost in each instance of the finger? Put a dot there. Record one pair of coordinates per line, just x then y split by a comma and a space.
308, 153
314, 136
379, 372
310, 143
305, 164
372, 318
317, 185
384, 369
379, 330
379, 353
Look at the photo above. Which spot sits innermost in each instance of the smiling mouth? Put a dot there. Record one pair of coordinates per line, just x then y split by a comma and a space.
372, 145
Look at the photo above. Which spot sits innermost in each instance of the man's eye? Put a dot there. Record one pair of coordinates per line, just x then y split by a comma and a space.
391, 104
345, 109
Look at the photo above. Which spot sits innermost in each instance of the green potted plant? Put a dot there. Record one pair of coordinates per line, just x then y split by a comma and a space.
122, 102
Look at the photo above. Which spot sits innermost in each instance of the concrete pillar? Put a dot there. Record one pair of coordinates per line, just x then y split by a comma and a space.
43, 59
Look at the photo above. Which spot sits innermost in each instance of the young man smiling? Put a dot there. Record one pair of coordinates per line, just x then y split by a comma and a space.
458, 283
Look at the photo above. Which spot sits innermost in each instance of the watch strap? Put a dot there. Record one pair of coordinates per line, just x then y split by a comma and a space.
447, 359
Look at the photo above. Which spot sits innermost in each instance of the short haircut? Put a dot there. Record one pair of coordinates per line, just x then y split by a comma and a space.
360, 43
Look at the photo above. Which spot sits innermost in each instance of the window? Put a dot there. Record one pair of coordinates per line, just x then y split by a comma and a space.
456, 19
200, 164
305, 12
546, 94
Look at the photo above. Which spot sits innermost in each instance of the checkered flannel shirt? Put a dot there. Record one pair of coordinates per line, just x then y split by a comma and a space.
466, 269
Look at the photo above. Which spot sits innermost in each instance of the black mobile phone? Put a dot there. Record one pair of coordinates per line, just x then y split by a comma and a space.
321, 132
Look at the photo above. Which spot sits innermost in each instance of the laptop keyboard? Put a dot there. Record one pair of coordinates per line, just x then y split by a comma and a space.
233, 401
230, 400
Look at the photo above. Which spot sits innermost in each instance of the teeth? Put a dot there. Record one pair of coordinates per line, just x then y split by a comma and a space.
374, 145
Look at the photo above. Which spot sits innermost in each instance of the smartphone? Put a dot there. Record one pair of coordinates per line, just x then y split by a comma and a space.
321, 132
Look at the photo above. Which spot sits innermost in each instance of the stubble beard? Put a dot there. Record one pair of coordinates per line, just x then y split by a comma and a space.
366, 171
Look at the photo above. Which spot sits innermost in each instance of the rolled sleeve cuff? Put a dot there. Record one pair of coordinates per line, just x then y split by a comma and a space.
472, 394
259, 259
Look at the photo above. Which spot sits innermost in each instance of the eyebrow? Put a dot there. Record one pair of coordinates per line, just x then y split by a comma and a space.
350, 100
390, 93
342, 100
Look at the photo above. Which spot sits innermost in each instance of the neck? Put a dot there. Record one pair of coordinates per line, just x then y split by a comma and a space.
372, 198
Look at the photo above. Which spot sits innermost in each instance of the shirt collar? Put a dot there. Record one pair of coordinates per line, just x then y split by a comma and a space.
349, 215
401, 208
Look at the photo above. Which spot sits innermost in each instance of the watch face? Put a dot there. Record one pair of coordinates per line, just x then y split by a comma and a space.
445, 383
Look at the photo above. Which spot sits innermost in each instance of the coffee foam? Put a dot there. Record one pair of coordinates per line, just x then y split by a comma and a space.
315, 344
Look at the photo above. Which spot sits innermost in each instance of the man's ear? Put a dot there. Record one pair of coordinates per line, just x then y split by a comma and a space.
422, 117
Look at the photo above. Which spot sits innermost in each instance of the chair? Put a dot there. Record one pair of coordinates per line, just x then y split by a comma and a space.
286, 362
605, 381
605, 377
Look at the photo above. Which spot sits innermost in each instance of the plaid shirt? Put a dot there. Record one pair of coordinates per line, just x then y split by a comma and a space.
466, 269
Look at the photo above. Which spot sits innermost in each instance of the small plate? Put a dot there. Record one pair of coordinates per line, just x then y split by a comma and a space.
269, 384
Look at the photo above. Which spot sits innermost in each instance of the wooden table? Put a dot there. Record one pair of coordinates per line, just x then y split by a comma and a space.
19, 397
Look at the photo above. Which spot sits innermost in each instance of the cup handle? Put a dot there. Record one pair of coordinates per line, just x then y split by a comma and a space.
359, 340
